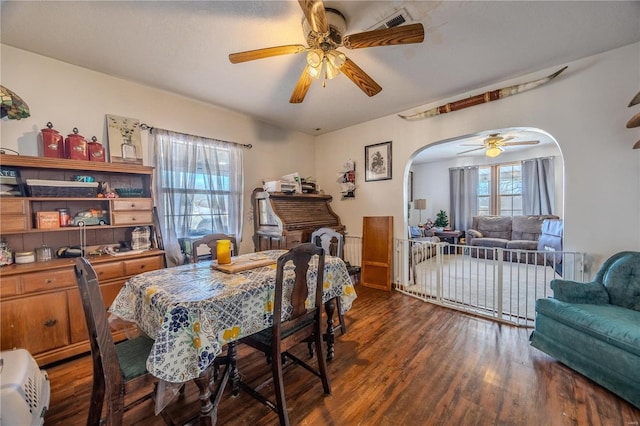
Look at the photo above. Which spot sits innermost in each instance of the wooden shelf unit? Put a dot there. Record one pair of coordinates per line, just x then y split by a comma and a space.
40, 306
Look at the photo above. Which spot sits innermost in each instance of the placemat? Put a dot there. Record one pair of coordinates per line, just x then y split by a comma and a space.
243, 264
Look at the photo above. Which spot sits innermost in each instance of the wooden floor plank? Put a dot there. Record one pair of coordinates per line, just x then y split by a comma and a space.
403, 362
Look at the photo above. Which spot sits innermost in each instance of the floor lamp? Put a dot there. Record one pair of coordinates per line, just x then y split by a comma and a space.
420, 204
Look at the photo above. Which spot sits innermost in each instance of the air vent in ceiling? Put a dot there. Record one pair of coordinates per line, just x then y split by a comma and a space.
398, 18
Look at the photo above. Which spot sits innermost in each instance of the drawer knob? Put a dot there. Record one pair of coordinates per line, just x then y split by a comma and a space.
51, 323
49, 280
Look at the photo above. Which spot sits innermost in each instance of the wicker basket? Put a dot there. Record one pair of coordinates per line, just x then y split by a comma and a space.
129, 192
62, 188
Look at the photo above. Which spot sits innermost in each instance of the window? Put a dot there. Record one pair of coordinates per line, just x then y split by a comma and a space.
500, 190
198, 188
203, 199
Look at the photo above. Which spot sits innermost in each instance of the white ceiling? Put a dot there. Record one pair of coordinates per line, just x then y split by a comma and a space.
183, 47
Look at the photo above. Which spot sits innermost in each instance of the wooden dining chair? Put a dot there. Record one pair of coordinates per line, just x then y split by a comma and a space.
211, 240
119, 370
303, 324
332, 242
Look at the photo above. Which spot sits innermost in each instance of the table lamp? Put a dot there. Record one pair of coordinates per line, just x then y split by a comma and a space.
420, 204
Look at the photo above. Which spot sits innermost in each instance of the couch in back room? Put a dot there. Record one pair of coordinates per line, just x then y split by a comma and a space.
594, 327
513, 233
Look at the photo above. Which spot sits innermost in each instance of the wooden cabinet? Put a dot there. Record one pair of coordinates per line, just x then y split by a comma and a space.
40, 306
36, 323
41, 309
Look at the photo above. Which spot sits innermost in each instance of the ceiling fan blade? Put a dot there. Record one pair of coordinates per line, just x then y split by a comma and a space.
471, 144
470, 150
403, 34
521, 143
267, 52
300, 91
315, 14
360, 78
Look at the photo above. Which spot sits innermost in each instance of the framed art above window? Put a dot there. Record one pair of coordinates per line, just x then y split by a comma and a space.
377, 159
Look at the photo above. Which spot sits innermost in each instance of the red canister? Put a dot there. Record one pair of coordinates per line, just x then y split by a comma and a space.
52, 142
96, 150
75, 146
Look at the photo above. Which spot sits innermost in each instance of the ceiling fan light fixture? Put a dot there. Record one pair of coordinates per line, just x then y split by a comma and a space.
336, 59
315, 57
493, 152
331, 71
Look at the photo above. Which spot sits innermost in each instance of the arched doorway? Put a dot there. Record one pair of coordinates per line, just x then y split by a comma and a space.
429, 168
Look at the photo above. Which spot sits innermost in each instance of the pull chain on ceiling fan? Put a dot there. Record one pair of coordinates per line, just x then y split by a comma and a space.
494, 144
324, 29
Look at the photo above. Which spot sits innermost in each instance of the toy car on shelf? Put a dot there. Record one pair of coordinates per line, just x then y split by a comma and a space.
90, 217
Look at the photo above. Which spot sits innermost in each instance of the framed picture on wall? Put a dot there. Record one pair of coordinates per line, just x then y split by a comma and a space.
124, 140
377, 160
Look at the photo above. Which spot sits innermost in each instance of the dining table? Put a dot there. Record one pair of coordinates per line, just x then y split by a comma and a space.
192, 311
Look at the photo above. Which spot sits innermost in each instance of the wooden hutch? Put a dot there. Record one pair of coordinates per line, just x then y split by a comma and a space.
40, 304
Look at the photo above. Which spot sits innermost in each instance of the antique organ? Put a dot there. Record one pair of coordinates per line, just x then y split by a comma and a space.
282, 220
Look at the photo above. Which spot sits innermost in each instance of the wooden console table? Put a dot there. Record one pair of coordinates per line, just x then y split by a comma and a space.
450, 235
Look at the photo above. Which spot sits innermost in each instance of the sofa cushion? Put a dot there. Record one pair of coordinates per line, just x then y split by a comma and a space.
569, 291
494, 226
490, 242
526, 227
522, 245
610, 323
622, 281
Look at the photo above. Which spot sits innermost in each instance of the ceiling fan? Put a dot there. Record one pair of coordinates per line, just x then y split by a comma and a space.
494, 144
324, 30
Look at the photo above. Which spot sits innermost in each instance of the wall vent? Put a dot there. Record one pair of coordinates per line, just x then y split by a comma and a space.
398, 18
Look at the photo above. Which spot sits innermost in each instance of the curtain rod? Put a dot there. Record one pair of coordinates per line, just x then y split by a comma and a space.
144, 126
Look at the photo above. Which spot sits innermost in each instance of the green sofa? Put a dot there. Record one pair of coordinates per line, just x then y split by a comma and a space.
594, 327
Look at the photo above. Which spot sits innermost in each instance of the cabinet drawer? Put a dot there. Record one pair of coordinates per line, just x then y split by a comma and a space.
8, 206
132, 218
124, 205
11, 223
9, 286
40, 281
107, 271
37, 323
138, 266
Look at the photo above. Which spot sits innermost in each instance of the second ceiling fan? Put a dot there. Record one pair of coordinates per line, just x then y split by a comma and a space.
494, 144
324, 30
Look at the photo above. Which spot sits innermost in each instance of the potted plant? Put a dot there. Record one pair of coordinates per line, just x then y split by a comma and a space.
441, 221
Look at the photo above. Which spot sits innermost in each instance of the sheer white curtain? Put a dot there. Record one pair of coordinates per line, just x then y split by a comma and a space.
198, 188
463, 183
538, 186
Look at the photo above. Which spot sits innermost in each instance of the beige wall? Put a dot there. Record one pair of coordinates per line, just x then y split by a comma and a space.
71, 96
584, 109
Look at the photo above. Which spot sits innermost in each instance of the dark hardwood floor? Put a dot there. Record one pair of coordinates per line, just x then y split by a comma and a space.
402, 362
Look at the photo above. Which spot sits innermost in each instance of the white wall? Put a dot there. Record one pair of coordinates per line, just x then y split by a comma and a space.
70, 96
584, 109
